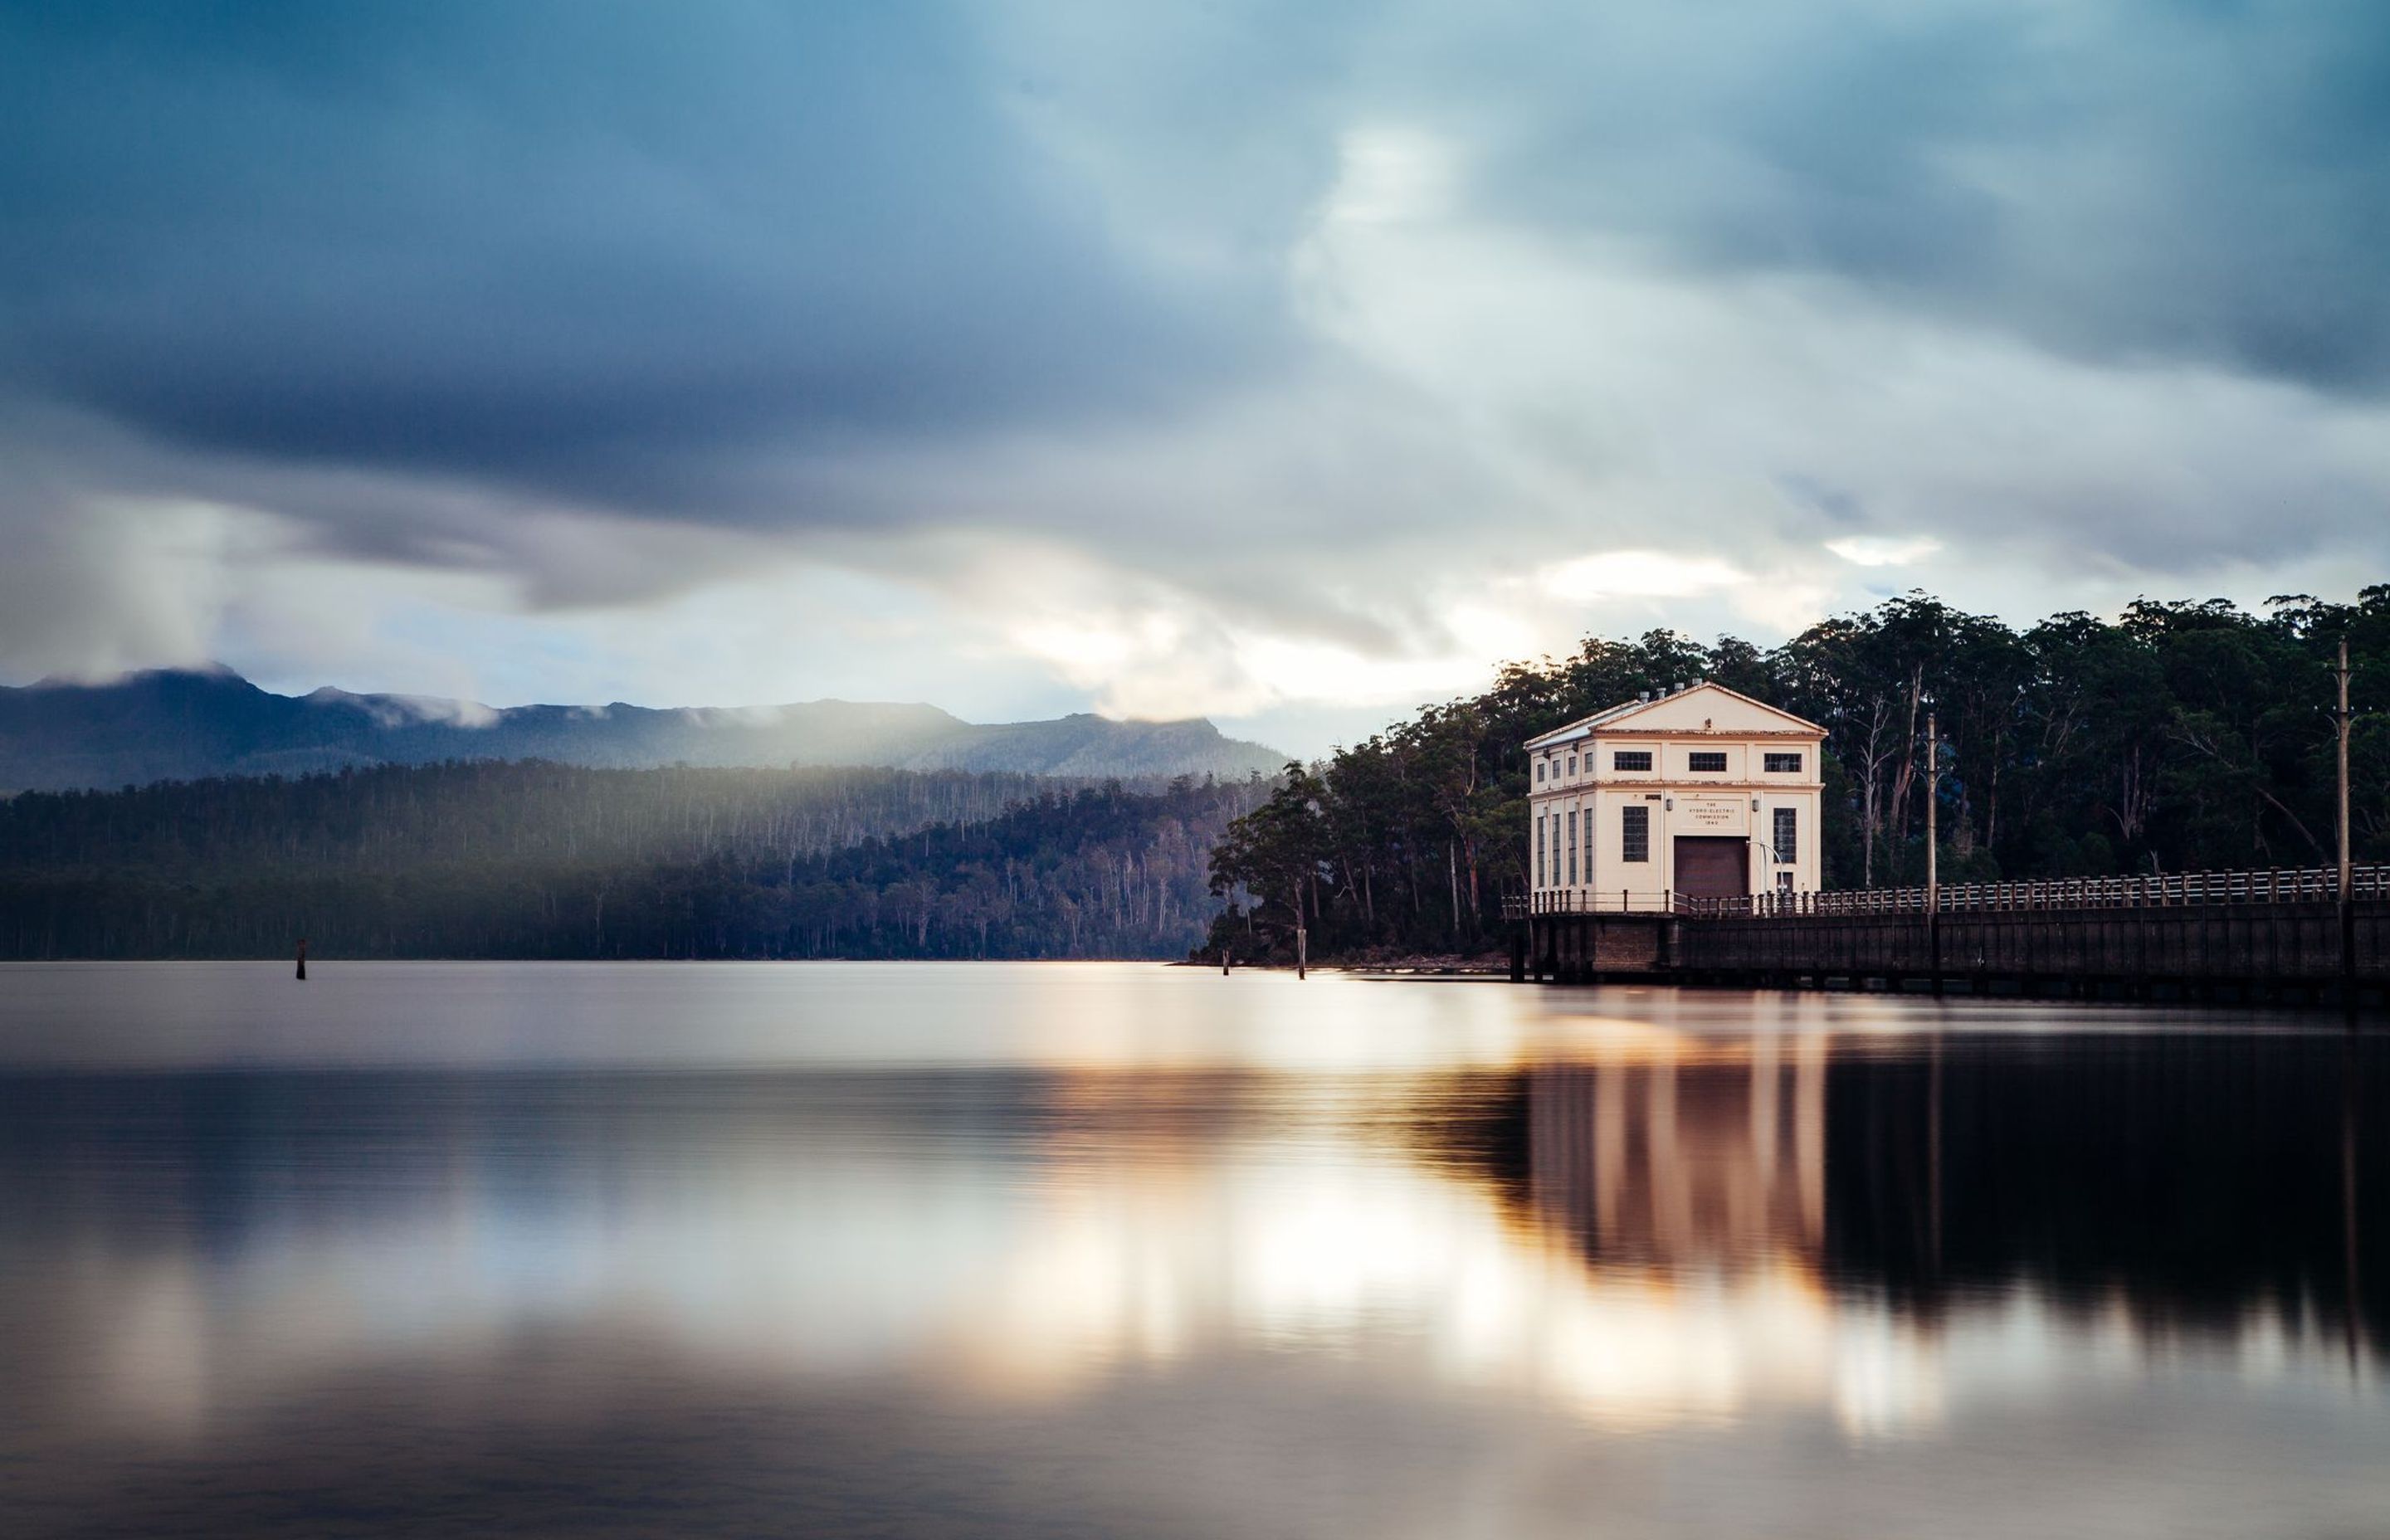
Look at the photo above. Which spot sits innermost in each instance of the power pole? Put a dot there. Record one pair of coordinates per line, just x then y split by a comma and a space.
2341, 718
1933, 845
1932, 851
1302, 935
2347, 910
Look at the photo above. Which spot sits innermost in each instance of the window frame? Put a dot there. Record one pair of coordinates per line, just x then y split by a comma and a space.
1635, 833
1769, 765
1618, 758
1786, 826
1693, 758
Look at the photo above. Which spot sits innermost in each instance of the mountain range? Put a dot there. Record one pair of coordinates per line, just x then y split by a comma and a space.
188, 724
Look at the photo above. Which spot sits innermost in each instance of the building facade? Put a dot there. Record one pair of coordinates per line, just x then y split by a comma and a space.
1696, 793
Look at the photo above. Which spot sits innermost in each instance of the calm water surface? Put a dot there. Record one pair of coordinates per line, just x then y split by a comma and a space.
1123, 1250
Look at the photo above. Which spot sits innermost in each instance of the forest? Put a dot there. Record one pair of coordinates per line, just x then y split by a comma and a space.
2181, 736
538, 860
2178, 736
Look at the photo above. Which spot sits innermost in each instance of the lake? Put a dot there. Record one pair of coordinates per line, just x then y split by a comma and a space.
1105, 1249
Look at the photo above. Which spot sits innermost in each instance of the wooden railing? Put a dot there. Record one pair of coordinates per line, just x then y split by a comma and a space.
1579, 901
2275, 885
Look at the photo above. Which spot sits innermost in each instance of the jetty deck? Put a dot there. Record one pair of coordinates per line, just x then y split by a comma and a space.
2290, 935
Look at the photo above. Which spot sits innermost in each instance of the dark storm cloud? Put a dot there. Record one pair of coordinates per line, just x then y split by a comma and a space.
603, 251
1242, 308
577, 245
2200, 180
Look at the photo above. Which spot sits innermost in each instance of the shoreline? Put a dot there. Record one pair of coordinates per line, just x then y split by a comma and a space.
1421, 965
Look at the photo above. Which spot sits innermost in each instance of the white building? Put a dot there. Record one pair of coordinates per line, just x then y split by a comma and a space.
1699, 792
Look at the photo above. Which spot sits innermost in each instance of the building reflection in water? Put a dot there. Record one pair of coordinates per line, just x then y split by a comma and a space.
1660, 1228
1686, 1153
2200, 1185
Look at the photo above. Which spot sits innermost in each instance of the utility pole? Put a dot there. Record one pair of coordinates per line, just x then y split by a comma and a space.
1933, 855
2340, 719
2347, 910
1302, 934
1933, 845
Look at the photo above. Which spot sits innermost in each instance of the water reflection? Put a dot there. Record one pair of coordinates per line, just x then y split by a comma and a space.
2197, 1179
1745, 1241
1955, 1208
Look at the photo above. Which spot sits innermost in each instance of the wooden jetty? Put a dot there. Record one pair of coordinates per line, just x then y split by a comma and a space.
2274, 935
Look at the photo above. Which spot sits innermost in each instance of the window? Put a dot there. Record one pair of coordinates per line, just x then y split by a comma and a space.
1572, 866
1703, 759
1539, 850
1788, 835
1781, 764
1635, 833
1631, 758
1572, 764
1539, 770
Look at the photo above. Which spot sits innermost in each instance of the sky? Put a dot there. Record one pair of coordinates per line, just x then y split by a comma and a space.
1287, 365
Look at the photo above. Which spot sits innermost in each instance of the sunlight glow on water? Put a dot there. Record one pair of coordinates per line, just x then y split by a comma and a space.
958, 1248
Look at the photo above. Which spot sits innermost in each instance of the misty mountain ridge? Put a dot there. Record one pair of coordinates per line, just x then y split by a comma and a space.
190, 723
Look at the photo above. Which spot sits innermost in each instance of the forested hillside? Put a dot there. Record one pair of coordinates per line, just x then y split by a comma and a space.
538, 860
391, 817
2181, 736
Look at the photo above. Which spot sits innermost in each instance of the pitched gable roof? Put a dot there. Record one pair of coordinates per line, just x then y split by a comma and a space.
1692, 710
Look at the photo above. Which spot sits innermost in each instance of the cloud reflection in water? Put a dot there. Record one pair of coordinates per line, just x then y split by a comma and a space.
1977, 1248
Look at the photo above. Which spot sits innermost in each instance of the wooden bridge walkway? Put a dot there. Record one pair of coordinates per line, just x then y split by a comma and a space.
2288, 935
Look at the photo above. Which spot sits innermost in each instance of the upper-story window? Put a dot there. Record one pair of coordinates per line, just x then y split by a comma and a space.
1539, 770
1572, 764
1635, 833
1781, 764
1705, 758
1631, 758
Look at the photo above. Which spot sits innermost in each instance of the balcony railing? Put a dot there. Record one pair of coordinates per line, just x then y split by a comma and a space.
2274, 885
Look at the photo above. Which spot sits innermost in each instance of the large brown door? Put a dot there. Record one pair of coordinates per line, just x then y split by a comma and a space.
1711, 868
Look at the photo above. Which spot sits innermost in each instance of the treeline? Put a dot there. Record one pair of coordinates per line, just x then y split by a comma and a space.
536, 860
386, 818
2179, 737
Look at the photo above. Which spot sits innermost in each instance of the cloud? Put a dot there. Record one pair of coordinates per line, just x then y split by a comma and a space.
596, 252
93, 590
1207, 359
1646, 574
1884, 550
402, 711
2117, 181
